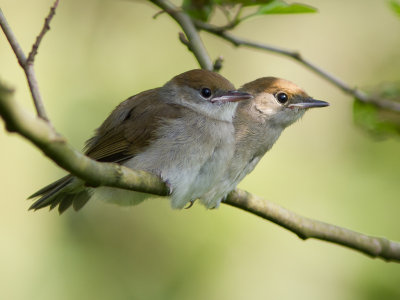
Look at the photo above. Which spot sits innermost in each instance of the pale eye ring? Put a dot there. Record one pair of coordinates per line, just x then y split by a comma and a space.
206, 93
282, 97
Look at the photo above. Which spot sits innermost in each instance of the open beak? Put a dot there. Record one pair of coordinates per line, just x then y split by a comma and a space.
231, 96
308, 103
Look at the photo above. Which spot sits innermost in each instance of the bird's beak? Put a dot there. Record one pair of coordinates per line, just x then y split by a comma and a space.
308, 103
231, 96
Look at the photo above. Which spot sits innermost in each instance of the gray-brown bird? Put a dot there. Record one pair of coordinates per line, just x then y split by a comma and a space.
182, 132
277, 103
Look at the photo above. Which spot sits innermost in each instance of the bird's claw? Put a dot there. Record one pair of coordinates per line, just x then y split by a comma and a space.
190, 204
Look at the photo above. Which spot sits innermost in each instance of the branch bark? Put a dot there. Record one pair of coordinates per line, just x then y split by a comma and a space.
306, 228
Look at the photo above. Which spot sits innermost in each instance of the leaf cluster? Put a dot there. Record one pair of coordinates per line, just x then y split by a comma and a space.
203, 9
379, 122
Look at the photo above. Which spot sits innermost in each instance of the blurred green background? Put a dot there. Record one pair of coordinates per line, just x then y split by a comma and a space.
97, 54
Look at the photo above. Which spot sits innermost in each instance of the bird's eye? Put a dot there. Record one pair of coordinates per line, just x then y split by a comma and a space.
282, 98
206, 92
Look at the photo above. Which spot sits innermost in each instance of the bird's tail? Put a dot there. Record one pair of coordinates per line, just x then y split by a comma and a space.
63, 193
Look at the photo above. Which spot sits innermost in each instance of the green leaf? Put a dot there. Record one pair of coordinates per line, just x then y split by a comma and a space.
243, 2
199, 9
379, 122
395, 5
281, 7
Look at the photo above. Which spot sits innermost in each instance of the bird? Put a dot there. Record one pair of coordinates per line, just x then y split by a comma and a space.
182, 132
277, 103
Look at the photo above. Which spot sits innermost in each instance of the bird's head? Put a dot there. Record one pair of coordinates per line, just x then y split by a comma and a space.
205, 92
276, 101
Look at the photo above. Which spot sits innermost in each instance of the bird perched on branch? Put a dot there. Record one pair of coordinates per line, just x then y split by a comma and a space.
182, 132
277, 103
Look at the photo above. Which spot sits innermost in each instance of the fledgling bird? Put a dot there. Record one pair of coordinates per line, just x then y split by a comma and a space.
258, 123
182, 132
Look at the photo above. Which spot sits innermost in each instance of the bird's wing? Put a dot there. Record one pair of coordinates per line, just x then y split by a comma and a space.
127, 131
131, 127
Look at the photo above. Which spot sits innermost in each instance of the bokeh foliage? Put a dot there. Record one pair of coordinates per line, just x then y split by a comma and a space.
395, 5
380, 122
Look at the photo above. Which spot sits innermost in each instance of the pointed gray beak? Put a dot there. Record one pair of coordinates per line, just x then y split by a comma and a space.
309, 103
232, 96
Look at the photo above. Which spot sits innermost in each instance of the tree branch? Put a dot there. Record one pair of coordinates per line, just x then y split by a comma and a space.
27, 63
236, 41
95, 174
306, 228
196, 45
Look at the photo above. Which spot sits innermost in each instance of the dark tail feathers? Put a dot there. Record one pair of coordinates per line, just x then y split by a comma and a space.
53, 195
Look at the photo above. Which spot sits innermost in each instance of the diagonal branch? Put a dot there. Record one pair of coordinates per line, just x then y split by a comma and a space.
27, 62
12, 40
236, 41
46, 27
306, 228
95, 173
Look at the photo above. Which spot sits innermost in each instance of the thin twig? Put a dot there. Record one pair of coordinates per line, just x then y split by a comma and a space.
45, 28
232, 23
220, 31
218, 64
97, 173
159, 13
196, 44
184, 40
19, 53
27, 62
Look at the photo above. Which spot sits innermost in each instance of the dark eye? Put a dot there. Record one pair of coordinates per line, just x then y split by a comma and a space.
206, 92
282, 98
